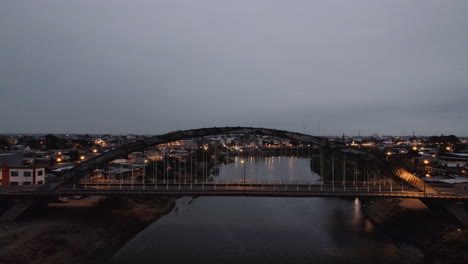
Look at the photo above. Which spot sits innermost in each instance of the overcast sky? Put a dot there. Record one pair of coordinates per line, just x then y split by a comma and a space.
318, 67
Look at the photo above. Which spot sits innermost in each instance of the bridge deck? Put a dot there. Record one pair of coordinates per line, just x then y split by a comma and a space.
263, 190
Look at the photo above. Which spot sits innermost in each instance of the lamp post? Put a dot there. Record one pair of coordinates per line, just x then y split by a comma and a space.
388, 154
144, 173
244, 175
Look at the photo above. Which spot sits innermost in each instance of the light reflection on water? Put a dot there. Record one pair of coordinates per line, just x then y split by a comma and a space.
265, 230
268, 169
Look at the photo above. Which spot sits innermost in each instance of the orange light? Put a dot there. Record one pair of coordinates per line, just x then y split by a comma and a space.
428, 175
94, 150
59, 159
426, 162
415, 148
82, 157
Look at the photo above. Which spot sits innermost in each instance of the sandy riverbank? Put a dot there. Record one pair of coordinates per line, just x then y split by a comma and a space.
88, 234
437, 234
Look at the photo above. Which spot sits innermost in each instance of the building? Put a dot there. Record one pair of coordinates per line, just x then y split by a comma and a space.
180, 144
14, 176
14, 171
453, 162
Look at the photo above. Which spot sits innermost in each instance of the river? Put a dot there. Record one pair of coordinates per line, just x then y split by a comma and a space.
265, 230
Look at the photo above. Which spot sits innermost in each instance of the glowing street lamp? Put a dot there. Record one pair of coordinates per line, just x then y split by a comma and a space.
82, 158
426, 162
387, 155
144, 173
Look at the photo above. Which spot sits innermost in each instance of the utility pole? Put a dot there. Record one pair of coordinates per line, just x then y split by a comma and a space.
344, 171
333, 171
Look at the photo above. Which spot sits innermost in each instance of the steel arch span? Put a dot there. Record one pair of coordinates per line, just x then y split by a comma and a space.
97, 162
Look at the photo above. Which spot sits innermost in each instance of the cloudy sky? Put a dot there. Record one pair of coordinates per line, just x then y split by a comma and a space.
319, 67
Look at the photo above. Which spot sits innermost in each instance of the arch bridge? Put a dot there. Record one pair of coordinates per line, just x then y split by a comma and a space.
86, 167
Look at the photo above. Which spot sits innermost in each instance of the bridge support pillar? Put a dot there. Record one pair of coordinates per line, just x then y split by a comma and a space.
449, 206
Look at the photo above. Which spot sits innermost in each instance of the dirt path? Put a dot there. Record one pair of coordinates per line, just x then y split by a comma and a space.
78, 234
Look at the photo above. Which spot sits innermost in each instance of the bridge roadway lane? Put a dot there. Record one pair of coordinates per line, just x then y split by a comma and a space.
212, 189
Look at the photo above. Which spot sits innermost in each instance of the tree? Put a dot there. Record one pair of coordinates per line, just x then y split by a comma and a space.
51, 141
74, 155
4, 145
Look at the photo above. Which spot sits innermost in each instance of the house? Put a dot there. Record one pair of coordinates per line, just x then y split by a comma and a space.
13, 171
14, 176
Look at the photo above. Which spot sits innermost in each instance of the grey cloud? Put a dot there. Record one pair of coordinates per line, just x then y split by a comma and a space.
312, 66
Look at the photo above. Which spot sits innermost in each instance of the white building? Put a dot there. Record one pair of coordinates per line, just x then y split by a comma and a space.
14, 176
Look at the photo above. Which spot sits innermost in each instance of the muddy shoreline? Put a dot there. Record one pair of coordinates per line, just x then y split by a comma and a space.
438, 235
95, 234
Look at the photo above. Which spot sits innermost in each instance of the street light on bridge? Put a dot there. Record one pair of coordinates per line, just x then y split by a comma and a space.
387, 155
144, 173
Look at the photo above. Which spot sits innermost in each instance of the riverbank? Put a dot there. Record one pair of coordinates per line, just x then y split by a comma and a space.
89, 234
441, 238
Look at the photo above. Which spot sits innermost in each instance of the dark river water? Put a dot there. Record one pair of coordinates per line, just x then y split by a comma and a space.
265, 230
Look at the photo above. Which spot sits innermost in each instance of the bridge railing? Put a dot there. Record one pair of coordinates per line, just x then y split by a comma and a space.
376, 185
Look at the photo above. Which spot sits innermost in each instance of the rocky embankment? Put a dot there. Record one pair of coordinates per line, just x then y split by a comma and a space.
81, 234
436, 233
